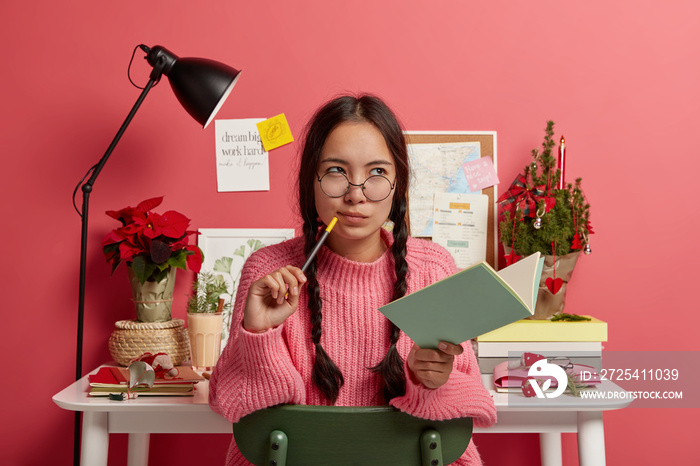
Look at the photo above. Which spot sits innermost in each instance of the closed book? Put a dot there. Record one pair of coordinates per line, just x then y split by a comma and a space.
491, 349
548, 390
486, 365
107, 376
546, 330
513, 377
181, 389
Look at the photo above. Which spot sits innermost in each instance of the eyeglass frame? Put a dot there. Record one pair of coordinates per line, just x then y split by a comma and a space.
361, 185
562, 361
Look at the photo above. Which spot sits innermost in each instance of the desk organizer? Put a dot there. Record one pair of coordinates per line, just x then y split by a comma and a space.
131, 339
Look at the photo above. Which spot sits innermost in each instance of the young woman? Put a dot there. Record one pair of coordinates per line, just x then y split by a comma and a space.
318, 338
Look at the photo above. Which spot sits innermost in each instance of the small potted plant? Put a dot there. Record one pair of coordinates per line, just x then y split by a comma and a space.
153, 246
541, 212
205, 308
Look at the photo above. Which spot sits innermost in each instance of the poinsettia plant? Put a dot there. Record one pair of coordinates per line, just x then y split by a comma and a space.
151, 243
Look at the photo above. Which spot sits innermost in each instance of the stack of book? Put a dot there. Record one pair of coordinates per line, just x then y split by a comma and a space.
580, 341
112, 379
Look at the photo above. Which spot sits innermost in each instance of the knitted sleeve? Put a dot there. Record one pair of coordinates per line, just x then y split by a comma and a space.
464, 394
255, 371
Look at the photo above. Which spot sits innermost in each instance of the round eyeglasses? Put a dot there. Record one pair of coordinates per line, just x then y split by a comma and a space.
375, 188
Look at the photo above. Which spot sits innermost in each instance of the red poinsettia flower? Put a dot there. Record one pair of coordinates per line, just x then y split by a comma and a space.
129, 214
194, 260
151, 243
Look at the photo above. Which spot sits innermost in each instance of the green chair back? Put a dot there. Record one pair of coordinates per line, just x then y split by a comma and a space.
289, 435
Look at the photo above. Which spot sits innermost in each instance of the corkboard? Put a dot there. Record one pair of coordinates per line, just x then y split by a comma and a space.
487, 140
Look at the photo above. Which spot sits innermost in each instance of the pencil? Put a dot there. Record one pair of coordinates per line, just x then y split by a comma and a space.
319, 244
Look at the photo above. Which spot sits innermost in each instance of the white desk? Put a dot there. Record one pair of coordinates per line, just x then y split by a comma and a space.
145, 415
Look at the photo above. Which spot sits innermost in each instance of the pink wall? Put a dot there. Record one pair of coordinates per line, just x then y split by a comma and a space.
620, 79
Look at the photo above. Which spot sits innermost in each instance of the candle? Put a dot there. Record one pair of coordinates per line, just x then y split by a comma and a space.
562, 162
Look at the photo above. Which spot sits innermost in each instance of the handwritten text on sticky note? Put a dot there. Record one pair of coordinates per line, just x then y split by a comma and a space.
480, 173
275, 132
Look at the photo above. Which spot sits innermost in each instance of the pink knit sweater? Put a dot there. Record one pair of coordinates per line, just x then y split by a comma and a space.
256, 371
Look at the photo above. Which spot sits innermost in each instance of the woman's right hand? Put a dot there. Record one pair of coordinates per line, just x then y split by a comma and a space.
272, 299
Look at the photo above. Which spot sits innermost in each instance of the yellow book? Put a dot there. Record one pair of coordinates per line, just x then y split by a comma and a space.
545, 330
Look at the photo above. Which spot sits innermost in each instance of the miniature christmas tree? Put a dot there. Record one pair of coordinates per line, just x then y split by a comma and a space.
539, 215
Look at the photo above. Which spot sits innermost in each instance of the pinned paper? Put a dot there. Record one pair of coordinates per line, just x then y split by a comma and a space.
275, 132
241, 160
480, 173
461, 226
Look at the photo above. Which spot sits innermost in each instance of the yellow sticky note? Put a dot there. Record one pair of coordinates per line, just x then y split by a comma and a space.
275, 132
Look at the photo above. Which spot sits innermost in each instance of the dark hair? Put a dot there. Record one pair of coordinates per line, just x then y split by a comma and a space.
370, 109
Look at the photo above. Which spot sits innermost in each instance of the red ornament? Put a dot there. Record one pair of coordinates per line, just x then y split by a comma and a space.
527, 388
554, 284
512, 258
576, 243
589, 227
528, 359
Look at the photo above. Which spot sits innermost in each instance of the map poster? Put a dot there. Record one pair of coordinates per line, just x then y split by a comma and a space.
437, 168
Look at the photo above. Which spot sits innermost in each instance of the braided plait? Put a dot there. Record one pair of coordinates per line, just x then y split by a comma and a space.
326, 375
391, 367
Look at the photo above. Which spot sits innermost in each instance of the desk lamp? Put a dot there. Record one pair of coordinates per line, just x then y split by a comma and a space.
201, 86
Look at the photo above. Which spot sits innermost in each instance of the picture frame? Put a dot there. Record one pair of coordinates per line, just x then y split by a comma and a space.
226, 250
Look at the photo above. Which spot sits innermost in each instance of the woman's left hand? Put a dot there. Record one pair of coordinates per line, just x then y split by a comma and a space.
432, 367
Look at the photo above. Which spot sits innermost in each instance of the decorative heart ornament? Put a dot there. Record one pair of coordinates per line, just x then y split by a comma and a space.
554, 284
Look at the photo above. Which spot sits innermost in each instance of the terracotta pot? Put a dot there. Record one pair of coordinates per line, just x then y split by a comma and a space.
153, 300
549, 303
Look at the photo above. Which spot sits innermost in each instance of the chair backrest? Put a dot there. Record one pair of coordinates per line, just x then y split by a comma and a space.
339, 435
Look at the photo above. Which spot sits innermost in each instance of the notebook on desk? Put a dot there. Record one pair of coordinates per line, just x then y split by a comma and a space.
113, 379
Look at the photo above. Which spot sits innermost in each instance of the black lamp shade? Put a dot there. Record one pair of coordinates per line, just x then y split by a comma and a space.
201, 85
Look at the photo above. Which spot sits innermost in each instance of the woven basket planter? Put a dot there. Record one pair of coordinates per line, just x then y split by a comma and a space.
131, 339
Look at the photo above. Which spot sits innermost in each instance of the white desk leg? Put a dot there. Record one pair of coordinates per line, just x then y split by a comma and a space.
591, 438
94, 448
138, 449
550, 448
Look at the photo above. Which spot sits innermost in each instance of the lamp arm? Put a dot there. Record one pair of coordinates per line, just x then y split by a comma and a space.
87, 186
87, 189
